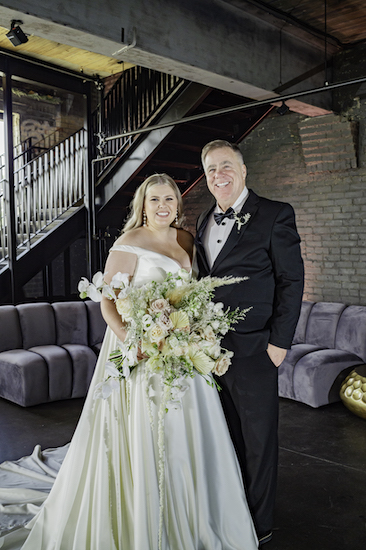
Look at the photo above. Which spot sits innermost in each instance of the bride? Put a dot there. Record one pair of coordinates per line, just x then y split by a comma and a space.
106, 494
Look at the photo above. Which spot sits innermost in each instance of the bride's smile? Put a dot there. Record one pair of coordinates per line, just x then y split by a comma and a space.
160, 206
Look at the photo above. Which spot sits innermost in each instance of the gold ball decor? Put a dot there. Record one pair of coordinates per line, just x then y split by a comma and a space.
353, 391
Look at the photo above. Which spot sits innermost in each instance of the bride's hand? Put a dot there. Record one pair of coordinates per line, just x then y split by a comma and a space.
140, 355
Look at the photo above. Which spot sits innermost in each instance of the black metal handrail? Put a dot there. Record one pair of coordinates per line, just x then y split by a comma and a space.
132, 103
45, 188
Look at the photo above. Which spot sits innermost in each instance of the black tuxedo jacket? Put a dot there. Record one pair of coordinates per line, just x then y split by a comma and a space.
267, 250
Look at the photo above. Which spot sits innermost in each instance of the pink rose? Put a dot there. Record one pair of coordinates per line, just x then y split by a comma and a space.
165, 322
159, 305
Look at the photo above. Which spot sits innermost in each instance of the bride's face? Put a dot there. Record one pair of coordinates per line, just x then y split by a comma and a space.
160, 206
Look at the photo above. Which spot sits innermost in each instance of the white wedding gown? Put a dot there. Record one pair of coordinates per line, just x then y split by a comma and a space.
106, 494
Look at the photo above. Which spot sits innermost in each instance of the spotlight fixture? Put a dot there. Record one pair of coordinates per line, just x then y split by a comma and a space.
16, 35
282, 109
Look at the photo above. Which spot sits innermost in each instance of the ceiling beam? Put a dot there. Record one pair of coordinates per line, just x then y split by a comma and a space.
210, 42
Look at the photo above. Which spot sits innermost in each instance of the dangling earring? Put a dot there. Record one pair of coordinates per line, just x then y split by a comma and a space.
144, 218
176, 218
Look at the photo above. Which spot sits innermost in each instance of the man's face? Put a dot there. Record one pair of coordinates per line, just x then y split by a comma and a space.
225, 175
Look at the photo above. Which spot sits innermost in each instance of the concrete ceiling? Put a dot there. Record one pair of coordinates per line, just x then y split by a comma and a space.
343, 22
68, 57
63, 38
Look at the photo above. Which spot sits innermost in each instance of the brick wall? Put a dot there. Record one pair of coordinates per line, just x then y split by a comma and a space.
329, 199
195, 202
330, 202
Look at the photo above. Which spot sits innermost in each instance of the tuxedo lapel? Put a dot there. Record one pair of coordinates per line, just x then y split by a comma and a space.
247, 213
201, 226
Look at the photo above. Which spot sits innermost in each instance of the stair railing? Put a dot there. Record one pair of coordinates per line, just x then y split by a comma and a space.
30, 149
51, 183
44, 189
135, 98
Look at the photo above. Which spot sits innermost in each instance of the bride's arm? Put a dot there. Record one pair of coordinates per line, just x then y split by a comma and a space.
123, 262
112, 318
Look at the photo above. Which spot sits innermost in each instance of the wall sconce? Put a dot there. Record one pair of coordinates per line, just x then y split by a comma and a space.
16, 35
282, 109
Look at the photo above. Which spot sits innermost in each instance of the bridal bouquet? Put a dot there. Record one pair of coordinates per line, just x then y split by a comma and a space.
174, 323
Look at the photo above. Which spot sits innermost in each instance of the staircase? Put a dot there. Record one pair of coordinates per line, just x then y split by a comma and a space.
50, 189
174, 150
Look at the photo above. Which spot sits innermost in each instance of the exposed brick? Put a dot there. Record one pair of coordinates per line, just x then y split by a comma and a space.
330, 204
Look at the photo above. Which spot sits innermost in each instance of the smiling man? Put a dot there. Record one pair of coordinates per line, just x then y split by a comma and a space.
245, 235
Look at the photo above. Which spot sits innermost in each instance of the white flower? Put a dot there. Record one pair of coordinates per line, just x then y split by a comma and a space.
209, 334
178, 347
241, 219
124, 292
83, 285
148, 347
221, 365
156, 334
94, 294
124, 307
89, 290
146, 321
224, 328
130, 357
219, 308
154, 363
98, 279
212, 349
120, 280
183, 273
108, 292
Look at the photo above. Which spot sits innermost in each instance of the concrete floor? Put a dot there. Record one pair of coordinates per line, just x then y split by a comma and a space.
321, 502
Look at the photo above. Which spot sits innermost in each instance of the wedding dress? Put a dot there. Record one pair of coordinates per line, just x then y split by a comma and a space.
106, 494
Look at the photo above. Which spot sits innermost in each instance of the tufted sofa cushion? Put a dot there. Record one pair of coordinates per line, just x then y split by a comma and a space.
48, 351
10, 331
300, 332
330, 339
37, 324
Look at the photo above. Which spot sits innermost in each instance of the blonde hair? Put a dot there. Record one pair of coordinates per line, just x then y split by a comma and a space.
137, 205
219, 144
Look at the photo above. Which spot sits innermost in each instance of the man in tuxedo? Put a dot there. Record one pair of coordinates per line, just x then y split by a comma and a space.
245, 235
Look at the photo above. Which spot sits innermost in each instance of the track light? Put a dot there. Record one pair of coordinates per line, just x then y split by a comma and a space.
16, 35
282, 109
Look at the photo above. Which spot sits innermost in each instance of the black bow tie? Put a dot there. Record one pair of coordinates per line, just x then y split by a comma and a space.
228, 214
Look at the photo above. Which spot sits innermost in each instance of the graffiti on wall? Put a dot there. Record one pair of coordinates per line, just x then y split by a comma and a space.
36, 130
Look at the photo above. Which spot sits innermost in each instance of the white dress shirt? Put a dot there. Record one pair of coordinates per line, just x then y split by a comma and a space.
215, 236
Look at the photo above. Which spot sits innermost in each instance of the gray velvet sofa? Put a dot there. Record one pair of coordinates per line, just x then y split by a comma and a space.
330, 340
48, 351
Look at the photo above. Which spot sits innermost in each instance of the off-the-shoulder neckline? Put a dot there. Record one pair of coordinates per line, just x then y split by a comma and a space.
153, 251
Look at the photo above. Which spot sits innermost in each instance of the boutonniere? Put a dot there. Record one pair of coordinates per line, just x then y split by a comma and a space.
241, 219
